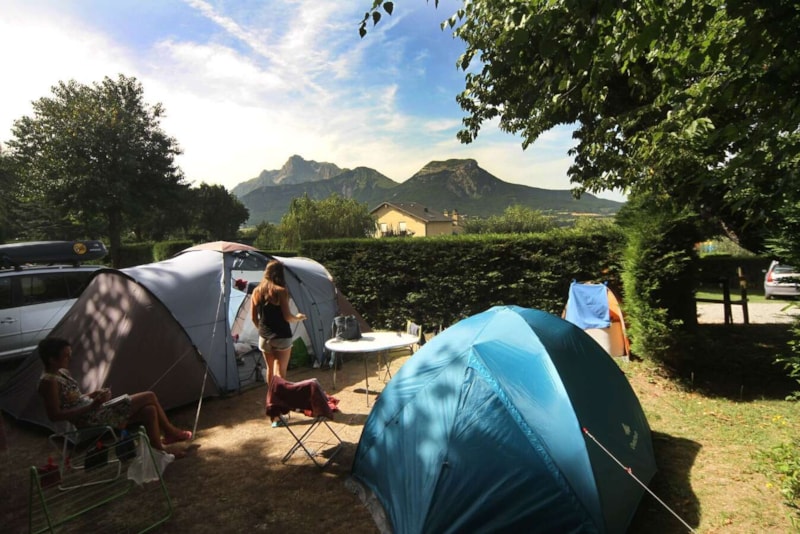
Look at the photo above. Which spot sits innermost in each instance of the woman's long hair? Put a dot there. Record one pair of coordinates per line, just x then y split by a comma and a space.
273, 277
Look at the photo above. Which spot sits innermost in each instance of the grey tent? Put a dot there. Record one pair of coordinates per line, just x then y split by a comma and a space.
166, 327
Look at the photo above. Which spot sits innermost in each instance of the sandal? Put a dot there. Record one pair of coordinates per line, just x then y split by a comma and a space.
183, 435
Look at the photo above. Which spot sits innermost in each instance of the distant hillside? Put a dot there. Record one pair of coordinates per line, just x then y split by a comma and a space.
463, 185
362, 183
459, 184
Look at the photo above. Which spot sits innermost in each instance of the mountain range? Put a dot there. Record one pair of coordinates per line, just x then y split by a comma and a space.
456, 184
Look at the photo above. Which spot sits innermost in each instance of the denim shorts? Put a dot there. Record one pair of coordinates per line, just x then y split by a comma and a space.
277, 343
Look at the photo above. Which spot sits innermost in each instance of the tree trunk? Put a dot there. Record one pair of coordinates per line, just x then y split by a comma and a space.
114, 238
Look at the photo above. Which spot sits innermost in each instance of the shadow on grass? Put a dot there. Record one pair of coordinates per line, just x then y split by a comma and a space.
671, 484
736, 362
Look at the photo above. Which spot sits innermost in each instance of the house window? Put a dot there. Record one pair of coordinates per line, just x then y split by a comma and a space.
401, 228
384, 229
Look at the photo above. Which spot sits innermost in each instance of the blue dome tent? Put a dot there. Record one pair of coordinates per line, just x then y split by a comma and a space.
482, 430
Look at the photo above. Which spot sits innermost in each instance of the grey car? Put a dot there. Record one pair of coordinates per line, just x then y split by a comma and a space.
781, 280
34, 298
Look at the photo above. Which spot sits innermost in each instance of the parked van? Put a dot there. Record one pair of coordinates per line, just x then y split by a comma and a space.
34, 298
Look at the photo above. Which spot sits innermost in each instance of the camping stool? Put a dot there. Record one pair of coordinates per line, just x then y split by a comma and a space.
303, 440
308, 397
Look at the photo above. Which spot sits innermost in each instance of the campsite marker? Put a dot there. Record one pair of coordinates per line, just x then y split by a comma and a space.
629, 470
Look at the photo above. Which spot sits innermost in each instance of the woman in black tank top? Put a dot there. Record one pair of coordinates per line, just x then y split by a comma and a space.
269, 310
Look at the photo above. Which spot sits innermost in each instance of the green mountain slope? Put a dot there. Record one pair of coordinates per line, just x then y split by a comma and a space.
458, 184
362, 183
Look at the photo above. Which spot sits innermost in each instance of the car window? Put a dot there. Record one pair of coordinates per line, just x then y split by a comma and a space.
45, 287
5, 293
77, 282
784, 269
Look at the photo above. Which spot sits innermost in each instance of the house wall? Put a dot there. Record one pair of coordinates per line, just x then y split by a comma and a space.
392, 218
440, 228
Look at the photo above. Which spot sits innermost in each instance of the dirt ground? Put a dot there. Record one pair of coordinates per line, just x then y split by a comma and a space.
232, 479
758, 313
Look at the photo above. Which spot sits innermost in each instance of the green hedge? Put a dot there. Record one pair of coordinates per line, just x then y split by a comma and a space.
439, 280
166, 249
132, 254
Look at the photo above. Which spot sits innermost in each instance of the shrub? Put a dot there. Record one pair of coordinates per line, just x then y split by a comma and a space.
166, 249
659, 273
440, 280
782, 464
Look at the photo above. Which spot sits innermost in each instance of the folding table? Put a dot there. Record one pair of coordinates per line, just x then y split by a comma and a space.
370, 343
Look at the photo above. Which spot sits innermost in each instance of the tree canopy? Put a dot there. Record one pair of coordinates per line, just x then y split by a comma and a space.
514, 220
696, 101
333, 217
95, 156
216, 213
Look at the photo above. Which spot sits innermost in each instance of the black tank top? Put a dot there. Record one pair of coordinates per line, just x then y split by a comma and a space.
271, 322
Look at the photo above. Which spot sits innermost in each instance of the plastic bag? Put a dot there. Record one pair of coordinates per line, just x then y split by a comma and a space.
148, 467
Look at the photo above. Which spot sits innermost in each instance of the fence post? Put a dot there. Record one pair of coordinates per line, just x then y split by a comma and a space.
743, 288
726, 300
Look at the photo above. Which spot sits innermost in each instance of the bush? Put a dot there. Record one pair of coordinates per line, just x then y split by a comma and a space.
135, 254
441, 280
782, 464
659, 274
166, 249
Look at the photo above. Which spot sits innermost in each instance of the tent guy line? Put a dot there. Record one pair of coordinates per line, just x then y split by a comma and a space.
629, 470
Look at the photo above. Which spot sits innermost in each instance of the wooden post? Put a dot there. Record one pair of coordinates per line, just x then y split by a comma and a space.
743, 288
726, 300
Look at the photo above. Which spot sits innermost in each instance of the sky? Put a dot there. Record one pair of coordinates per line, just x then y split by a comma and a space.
246, 84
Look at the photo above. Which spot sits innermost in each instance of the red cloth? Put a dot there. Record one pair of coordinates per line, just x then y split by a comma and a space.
284, 396
333, 404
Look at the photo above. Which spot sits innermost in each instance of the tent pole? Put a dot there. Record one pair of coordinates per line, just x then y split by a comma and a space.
200, 401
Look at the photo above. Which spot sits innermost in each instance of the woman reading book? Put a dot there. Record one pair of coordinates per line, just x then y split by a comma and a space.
64, 401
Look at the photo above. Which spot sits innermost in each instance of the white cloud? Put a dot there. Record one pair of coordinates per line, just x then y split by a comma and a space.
290, 78
39, 50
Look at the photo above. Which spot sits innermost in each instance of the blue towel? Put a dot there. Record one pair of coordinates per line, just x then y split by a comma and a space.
587, 306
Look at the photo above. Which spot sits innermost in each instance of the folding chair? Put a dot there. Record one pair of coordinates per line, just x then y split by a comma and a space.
411, 328
88, 487
309, 397
86, 449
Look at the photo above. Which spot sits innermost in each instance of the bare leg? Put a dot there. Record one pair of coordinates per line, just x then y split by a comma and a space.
278, 365
282, 361
146, 409
269, 360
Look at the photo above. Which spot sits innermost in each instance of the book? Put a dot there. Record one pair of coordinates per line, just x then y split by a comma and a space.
116, 400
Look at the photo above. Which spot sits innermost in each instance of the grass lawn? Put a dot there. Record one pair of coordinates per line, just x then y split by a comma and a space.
717, 416
714, 292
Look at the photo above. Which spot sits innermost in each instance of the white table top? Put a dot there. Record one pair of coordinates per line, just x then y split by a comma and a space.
372, 342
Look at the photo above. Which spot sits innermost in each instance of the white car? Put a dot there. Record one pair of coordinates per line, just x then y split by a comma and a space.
781, 280
33, 299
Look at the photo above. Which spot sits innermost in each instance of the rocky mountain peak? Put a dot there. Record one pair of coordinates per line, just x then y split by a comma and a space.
297, 170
